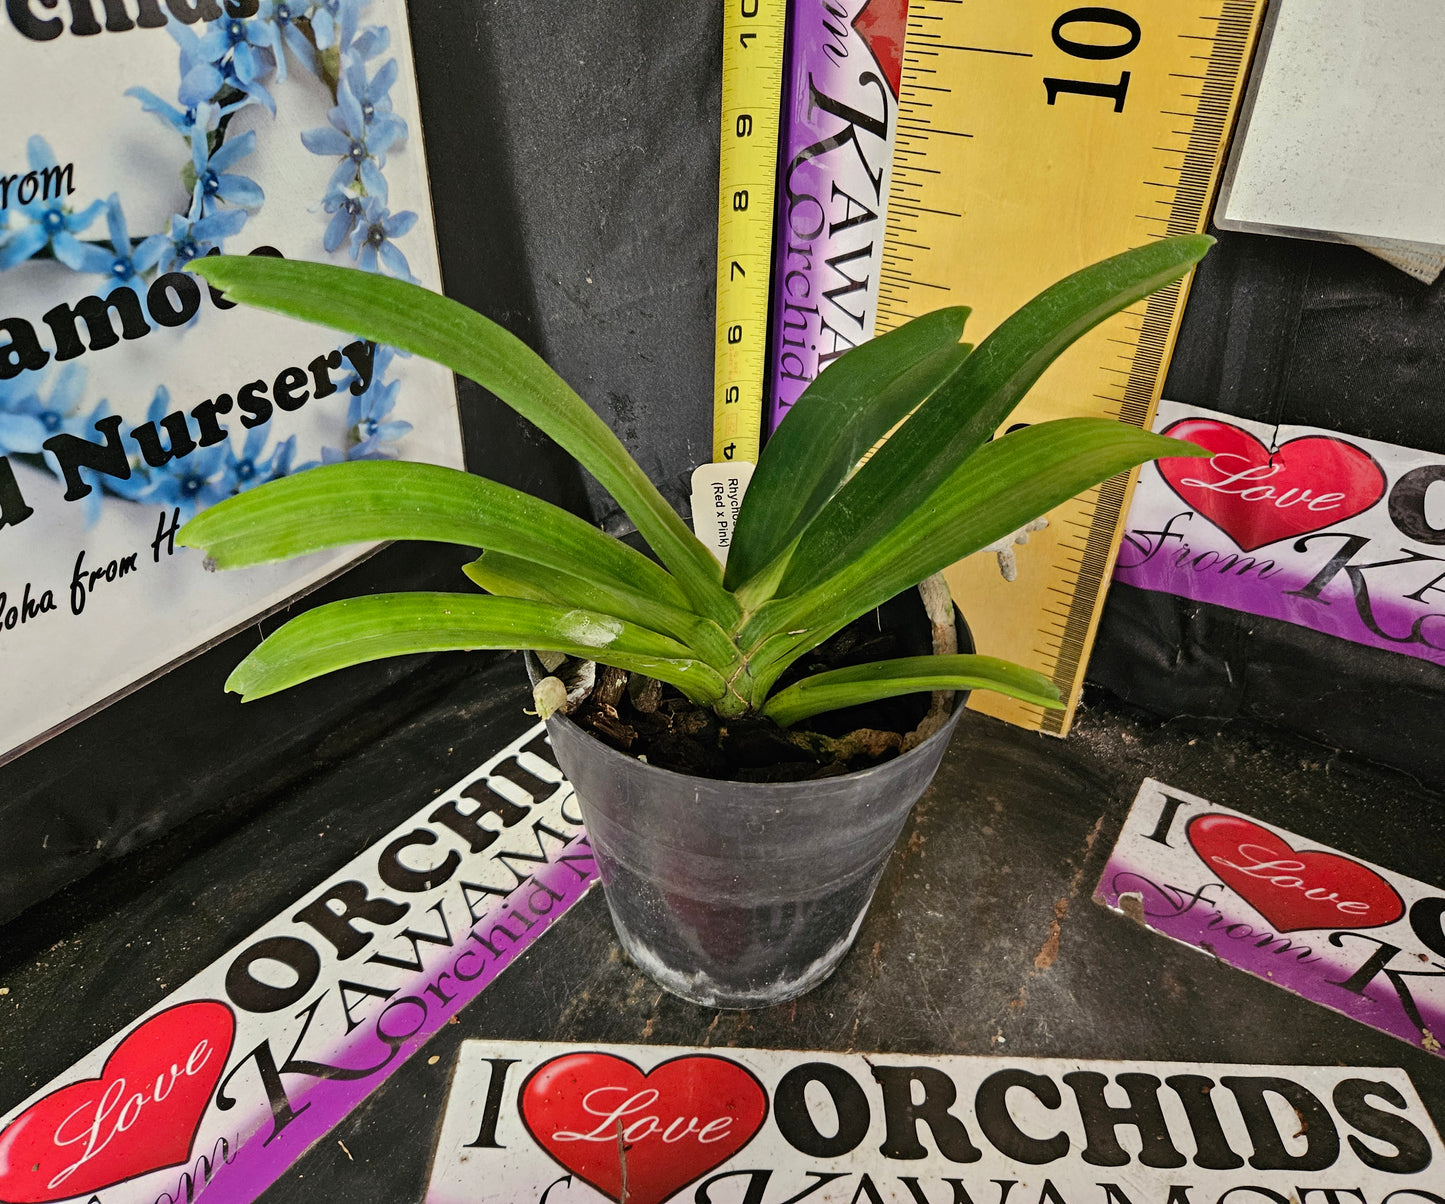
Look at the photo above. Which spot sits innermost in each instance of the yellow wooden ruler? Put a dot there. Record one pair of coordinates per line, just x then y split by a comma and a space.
752, 84
1035, 138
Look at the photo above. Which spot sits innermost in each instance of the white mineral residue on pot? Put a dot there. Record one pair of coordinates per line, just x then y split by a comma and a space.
699, 988
590, 630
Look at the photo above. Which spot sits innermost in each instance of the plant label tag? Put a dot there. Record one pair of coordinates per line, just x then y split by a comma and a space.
717, 495
1359, 939
644, 1124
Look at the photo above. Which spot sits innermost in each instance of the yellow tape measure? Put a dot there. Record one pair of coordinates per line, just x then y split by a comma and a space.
1035, 138
752, 85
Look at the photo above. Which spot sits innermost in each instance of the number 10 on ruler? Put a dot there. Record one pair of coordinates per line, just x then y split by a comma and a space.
752, 81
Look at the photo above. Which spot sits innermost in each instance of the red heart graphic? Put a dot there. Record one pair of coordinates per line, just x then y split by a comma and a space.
1290, 889
140, 1115
1257, 498
677, 1122
882, 25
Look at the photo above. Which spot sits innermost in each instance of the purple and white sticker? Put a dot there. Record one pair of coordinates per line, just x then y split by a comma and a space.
1332, 532
1357, 938
840, 115
230, 1079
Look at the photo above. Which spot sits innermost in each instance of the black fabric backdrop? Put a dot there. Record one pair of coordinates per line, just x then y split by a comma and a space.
1316, 334
573, 154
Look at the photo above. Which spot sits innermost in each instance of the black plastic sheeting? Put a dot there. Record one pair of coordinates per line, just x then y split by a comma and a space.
1175, 657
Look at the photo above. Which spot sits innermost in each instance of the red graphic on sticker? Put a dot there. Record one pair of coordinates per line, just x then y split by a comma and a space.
674, 1124
882, 24
1257, 498
140, 1115
1290, 889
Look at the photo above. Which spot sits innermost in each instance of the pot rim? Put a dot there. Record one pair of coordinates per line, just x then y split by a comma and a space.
944, 733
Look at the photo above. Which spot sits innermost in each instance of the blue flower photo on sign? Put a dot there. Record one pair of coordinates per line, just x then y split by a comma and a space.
131, 394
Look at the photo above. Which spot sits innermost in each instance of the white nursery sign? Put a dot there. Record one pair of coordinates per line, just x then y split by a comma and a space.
644, 1124
131, 394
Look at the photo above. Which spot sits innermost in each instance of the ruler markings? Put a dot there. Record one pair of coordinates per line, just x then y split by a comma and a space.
1082, 546
752, 77
1022, 54
925, 133
915, 208
1221, 82
942, 288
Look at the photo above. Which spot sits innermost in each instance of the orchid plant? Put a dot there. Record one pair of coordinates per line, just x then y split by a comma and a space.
826, 531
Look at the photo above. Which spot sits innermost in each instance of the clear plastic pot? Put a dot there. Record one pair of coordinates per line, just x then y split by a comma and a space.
739, 894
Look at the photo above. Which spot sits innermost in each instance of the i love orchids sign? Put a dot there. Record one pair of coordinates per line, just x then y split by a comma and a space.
1357, 938
636, 1124
1335, 533
225, 1083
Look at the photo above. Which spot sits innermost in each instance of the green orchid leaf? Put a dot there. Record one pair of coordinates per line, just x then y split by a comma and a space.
908, 675
363, 501
966, 411
514, 577
511, 577
371, 628
852, 404
887, 470
997, 490
427, 324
